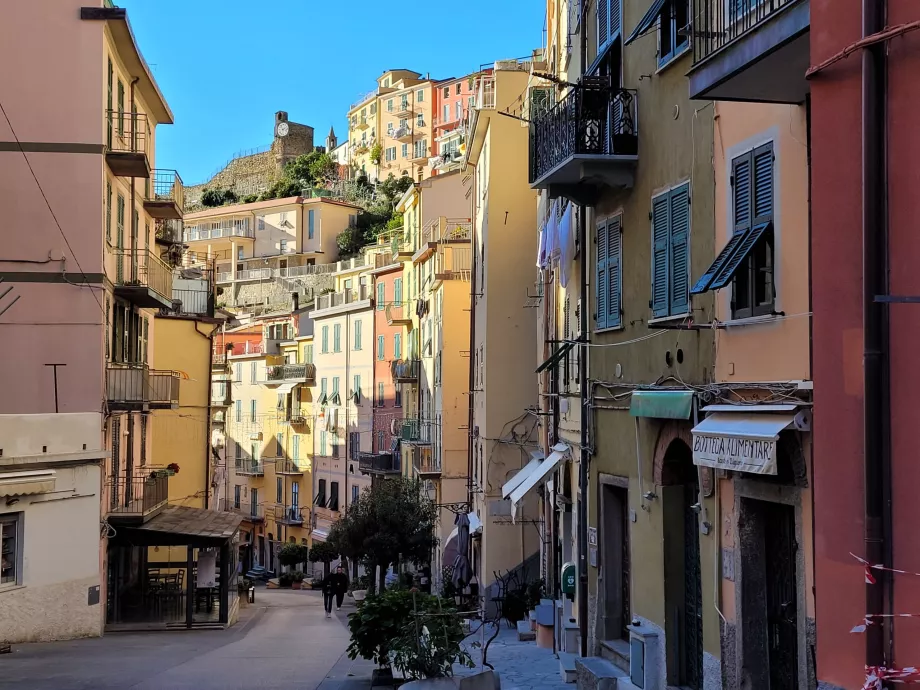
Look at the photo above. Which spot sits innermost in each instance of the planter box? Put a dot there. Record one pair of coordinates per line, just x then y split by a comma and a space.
296, 585
359, 595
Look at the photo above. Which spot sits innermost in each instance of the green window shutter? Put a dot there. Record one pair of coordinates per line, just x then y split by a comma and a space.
325, 338
358, 335
381, 296
108, 212
120, 222
614, 271
397, 345
311, 224
763, 184
680, 250
602, 286
381, 345
741, 192
397, 290
660, 254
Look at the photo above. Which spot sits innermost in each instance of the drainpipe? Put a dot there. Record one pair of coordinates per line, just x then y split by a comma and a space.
876, 412
347, 374
470, 455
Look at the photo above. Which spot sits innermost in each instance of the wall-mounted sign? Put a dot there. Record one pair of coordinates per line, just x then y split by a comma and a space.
592, 536
739, 441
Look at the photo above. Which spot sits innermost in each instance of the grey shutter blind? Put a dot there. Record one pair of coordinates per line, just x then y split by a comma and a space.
660, 254
763, 184
680, 250
603, 23
741, 192
602, 286
748, 240
614, 18
614, 274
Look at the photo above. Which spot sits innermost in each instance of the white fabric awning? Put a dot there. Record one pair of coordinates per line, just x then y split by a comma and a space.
521, 475
742, 442
284, 387
26, 483
320, 534
539, 473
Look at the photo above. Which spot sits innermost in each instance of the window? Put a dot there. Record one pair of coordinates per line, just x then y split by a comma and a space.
420, 96
253, 369
120, 223
295, 453
608, 284
397, 400
747, 260
108, 212
672, 41
405, 150
11, 549
397, 345
389, 103
380, 394
459, 110
279, 490
337, 337
446, 92
295, 500
252, 410
322, 388
356, 390
254, 501
282, 245
239, 411
446, 114
390, 127
420, 120
381, 296
381, 441
355, 491
239, 254
325, 343
279, 437
333, 495
308, 354
239, 372
391, 154
321, 493
671, 252
354, 445
381, 347
397, 290
311, 223
323, 443
121, 107
421, 148
237, 496
358, 325
335, 386
260, 223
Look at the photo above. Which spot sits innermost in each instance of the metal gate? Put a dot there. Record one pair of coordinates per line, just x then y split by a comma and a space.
782, 610
692, 632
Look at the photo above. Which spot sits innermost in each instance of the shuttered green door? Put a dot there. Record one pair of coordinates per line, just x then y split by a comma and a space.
614, 270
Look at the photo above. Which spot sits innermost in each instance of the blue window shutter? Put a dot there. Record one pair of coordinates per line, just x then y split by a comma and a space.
311, 224
603, 23
614, 12
660, 254
381, 296
680, 250
614, 270
741, 192
762, 160
602, 288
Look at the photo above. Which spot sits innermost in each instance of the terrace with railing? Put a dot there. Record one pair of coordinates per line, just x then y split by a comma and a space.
165, 197
128, 140
136, 387
250, 467
135, 500
142, 278
405, 370
343, 297
300, 373
379, 463
250, 511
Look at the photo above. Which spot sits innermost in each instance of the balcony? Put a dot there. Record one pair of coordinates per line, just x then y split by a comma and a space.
399, 314
142, 278
402, 108
361, 123
193, 291
342, 298
135, 387
379, 463
288, 467
220, 394
250, 467
586, 142
405, 370
750, 50
453, 262
402, 134
485, 95
167, 195
128, 140
134, 500
220, 417
169, 231
288, 515
291, 373
419, 156
250, 511
415, 431
426, 466
215, 231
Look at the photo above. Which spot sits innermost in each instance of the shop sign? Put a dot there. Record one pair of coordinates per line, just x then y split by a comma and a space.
754, 455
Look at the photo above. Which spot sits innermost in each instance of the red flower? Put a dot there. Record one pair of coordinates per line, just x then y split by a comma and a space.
174, 467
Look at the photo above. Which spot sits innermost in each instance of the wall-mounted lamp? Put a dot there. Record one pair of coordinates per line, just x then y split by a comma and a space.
11, 501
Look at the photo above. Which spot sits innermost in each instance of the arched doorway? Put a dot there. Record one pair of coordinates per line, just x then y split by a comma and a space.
682, 576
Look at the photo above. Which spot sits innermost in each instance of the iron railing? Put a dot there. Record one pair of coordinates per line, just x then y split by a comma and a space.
379, 463
170, 230
288, 466
127, 132
137, 496
589, 121
128, 384
288, 515
405, 369
415, 430
716, 23
426, 463
142, 268
250, 511
291, 372
250, 466
166, 185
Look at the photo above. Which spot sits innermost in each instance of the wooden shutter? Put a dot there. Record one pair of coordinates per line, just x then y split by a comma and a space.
660, 254
762, 201
680, 250
614, 13
614, 271
565, 336
603, 23
741, 192
602, 287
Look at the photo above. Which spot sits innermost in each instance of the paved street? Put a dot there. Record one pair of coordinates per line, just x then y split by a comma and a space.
282, 642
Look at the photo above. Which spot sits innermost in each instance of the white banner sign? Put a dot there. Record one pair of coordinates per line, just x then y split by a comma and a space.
755, 455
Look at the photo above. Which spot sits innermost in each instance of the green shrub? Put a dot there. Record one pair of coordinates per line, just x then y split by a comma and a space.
285, 579
293, 554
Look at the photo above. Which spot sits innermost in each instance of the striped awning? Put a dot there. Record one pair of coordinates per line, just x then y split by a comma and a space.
26, 483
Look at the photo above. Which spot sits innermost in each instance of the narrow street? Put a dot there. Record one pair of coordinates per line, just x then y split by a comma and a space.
283, 641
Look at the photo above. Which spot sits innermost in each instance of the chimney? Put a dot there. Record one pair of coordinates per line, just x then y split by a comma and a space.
296, 298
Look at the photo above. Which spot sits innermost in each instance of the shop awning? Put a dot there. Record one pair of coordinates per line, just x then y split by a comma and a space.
26, 483
539, 473
743, 442
661, 404
184, 525
522, 474
651, 17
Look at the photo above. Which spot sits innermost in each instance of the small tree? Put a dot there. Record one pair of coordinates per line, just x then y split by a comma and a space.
323, 552
291, 555
376, 153
391, 520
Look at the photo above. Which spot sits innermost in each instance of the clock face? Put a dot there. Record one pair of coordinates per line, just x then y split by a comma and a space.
283, 129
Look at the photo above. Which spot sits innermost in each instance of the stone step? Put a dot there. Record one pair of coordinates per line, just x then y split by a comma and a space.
525, 634
616, 652
594, 673
567, 667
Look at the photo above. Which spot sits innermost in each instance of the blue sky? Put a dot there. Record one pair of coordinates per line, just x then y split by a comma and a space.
226, 66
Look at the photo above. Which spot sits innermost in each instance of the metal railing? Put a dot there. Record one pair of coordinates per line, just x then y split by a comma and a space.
448, 230
249, 466
342, 297
288, 466
426, 463
398, 311
141, 267
401, 133
416, 430
291, 372
405, 369
288, 515
136, 384
379, 462
453, 262
170, 230
716, 23
596, 121
137, 496
166, 185
246, 509
247, 348
195, 233
127, 132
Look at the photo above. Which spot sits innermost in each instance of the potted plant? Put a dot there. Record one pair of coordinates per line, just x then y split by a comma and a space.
359, 588
173, 468
297, 578
285, 580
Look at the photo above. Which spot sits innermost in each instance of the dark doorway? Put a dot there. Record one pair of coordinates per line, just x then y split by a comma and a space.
682, 576
769, 597
614, 539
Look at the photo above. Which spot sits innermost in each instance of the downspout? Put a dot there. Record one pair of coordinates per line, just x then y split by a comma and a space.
348, 447
134, 214
876, 412
583, 477
473, 362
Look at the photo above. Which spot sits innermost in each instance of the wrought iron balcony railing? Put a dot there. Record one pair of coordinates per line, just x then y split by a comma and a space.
127, 142
291, 372
379, 463
142, 278
165, 196
405, 370
250, 467
717, 23
288, 466
133, 387
137, 498
342, 297
415, 431
591, 127
288, 515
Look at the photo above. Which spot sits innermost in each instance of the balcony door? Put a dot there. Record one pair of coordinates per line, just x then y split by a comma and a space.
295, 499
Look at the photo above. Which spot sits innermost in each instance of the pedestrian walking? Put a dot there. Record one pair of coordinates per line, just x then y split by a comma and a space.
334, 587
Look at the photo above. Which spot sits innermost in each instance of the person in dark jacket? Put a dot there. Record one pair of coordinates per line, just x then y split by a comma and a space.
334, 586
